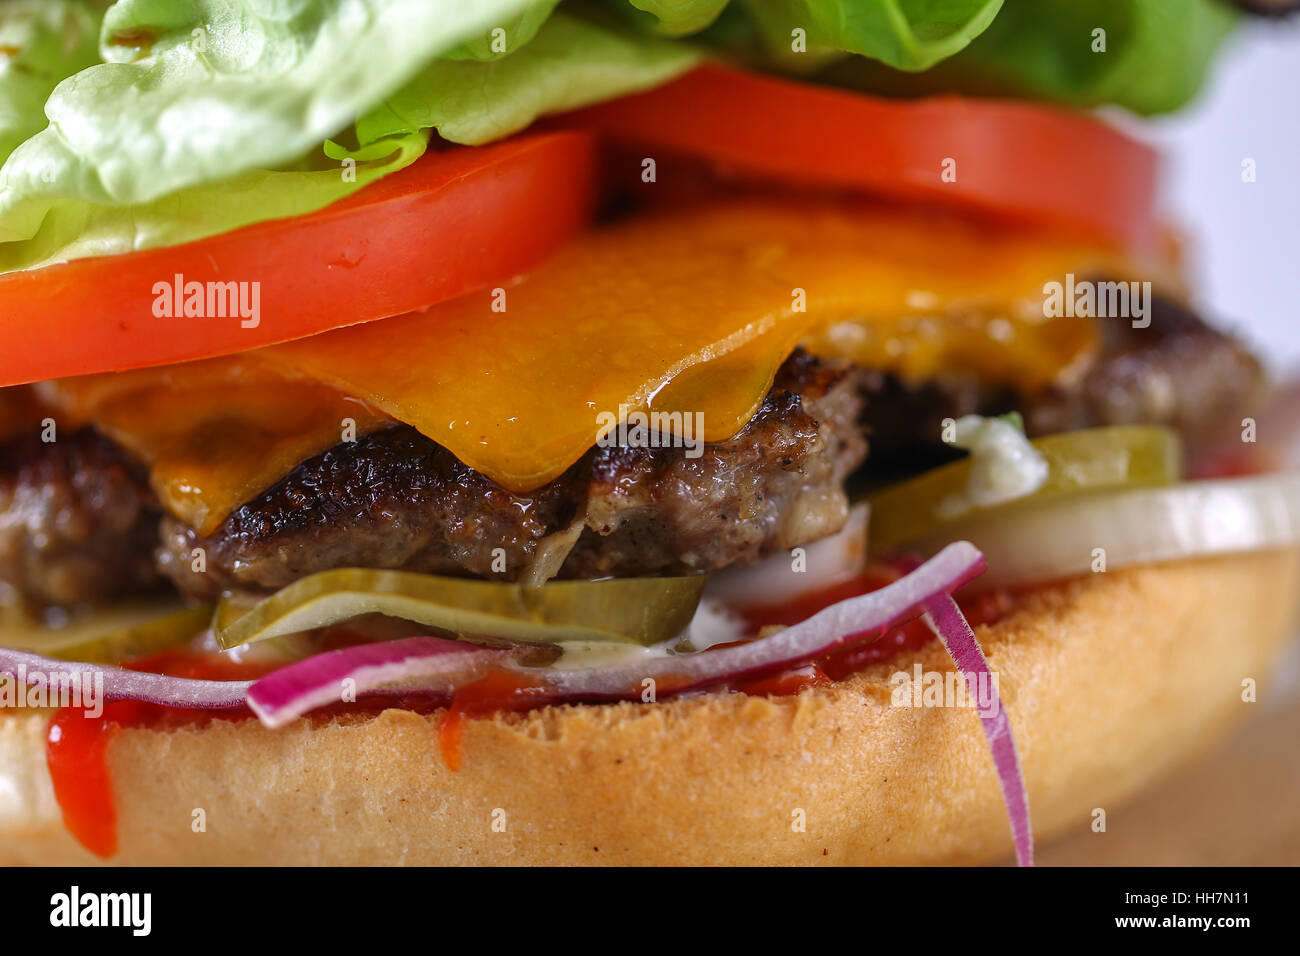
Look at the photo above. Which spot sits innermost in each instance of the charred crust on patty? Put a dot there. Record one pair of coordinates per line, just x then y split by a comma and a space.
395, 499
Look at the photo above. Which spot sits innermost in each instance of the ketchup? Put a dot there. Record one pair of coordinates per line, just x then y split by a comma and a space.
986, 608
493, 693
787, 683
76, 746
76, 751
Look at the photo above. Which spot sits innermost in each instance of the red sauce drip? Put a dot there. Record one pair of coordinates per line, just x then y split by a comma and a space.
76, 749
787, 683
182, 662
985, 608
493, 693
76, 746
846, 661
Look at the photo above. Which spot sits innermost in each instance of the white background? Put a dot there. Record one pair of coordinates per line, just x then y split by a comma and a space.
1245, 262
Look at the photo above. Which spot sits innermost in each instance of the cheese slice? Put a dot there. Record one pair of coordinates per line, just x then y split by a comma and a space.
692, 311
516, 382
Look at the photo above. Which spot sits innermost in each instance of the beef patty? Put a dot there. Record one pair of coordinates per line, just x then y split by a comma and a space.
78, 522
1178, 372
395, 499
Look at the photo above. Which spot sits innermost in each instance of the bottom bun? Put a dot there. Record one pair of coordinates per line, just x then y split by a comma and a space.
1109, 681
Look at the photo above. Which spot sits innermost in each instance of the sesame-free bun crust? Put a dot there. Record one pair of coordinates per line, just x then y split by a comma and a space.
1109, 681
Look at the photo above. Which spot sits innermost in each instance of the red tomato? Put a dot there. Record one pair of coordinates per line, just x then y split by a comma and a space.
450, 223
1014, 160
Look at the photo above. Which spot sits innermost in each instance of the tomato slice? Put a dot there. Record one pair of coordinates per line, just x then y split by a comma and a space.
449, 223
1013, 160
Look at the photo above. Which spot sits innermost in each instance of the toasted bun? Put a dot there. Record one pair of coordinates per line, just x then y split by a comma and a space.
1109, 681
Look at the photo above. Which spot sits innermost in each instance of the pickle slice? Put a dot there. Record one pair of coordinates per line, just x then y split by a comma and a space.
623, 610
109, 635
1082, 462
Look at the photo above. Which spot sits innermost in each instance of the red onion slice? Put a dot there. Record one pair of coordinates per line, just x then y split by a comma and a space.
829, 628
117, 683
434, 668
946, 620
430, 666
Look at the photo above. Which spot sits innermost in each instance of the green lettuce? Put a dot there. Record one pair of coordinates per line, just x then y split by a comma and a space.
1156, 56
76, 229
676, 18
507, 36
41, 42
903, 34
570, 63
222, 87
261, 131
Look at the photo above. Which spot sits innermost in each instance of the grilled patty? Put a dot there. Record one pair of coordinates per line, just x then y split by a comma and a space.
78, 522
1178, 372
395, 499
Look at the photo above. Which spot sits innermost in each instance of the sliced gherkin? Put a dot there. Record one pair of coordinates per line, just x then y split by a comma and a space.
624, 610
110, 635
1079, 463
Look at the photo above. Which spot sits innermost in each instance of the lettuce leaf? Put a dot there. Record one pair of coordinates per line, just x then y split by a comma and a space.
570, 63
41, 42
230, 103
904, 34
1156, 58
76, 229
507, 36
1157, 54
676, 18
224, 86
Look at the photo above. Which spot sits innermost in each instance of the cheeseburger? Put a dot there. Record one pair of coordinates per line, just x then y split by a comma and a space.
625, 432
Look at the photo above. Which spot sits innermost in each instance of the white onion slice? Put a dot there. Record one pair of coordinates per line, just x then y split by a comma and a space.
1140, 526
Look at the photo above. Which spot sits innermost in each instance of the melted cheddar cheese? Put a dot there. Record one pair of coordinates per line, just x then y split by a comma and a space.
689, 312
213, 433
694, 312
